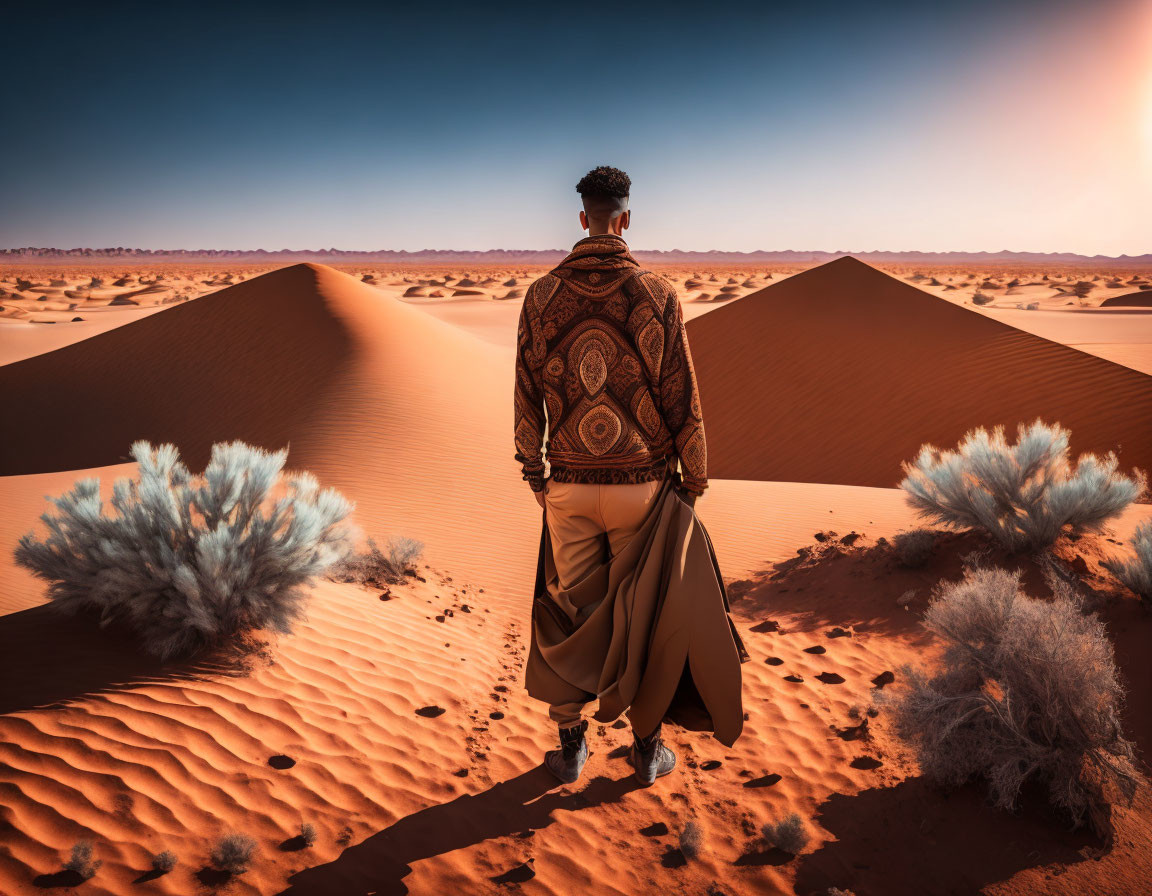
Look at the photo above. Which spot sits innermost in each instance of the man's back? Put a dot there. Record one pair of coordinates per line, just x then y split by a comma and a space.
602, 346
603, 367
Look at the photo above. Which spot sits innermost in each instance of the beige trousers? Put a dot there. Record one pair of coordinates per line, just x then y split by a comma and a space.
588, 525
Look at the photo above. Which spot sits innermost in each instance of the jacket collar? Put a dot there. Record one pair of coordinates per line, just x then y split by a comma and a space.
603, 249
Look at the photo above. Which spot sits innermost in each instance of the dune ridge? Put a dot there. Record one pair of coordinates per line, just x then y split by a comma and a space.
819, 378
394, 720
1139, 299
409, 416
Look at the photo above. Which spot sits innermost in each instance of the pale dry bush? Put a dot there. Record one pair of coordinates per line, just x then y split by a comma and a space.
914, 548
81, 863
374, 565
1025, 495
691, 840
788, 834
1027, 689
980, 298
1135, 571
233, 853
186, 562
164, 862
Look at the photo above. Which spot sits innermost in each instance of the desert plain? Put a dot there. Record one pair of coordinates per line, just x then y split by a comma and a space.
399, 728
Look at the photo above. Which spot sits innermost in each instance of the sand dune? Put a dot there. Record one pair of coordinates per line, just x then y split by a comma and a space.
374, 396
1139, 299
406, 407
827, 357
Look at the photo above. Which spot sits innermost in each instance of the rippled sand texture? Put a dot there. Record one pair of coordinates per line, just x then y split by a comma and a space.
395, 722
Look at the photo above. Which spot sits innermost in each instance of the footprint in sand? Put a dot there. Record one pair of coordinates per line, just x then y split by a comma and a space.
281, 762
430, 712
763, 781
830, 678
816, 648
853, 732
518, 875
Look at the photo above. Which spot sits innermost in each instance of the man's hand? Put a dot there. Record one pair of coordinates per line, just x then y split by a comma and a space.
687, 497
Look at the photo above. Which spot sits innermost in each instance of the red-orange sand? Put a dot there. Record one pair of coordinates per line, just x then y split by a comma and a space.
405, 406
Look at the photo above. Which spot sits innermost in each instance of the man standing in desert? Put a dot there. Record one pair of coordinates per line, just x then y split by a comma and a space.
605, 393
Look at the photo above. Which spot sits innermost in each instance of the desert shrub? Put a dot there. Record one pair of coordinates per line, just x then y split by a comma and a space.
980, 298
1024, 494
80, 862
914, 548
691, 840
163, 862
1136, 571
1028, 689
788, 834
373, 565
307, 834
233, 853
186, 562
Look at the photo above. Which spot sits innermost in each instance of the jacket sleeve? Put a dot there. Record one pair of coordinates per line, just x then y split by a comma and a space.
529, 399
679, 396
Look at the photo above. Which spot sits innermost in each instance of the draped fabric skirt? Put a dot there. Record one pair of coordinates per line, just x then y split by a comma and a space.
647, 631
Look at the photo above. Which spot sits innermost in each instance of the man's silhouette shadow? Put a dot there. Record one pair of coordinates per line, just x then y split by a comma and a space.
380, 864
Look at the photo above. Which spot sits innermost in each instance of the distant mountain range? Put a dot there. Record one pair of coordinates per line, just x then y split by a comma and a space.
536, 257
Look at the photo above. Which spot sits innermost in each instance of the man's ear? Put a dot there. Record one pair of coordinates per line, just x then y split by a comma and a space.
583, 220
625, 219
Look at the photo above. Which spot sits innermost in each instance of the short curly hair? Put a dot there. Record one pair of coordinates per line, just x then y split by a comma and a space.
604, 182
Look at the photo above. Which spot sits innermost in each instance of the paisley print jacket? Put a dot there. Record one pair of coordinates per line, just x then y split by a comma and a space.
605, 389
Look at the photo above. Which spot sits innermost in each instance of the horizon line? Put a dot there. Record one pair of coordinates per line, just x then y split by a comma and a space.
119, 251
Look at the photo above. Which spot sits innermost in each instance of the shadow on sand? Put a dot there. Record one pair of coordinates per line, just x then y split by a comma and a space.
49, 659
912, 840
380, 864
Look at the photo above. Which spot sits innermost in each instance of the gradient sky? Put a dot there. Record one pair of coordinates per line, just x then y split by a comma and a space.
976, 125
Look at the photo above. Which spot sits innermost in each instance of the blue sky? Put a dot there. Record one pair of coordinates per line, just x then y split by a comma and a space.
965, 126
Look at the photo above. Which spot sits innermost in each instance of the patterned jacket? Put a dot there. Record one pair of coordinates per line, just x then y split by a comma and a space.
604, 379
